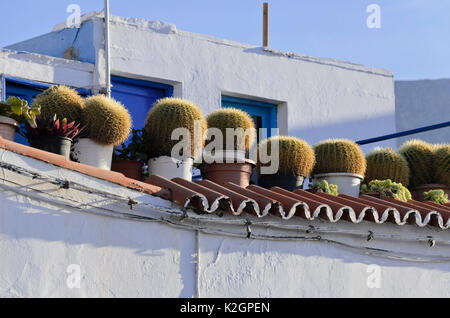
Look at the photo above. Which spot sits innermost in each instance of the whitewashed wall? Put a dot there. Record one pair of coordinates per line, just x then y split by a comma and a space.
422, 103
44, 229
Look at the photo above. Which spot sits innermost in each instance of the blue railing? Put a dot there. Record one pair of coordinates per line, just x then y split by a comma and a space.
404, 133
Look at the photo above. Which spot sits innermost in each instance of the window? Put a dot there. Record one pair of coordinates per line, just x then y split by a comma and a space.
264, 114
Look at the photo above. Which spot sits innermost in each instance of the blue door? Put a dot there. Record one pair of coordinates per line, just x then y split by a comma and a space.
138, 96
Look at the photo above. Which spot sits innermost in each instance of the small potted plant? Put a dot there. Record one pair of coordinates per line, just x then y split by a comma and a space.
324, 187
13, 112
424, 161
384, 163
436, 196
130, 157
295, 161
107, 125
226, 155
167, 116
386, 188
52, 135
340, 162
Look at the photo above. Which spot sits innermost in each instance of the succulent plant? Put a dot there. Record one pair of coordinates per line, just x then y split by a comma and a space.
387, 188
62, 101
436, 196
167, 115
106, 120
135, 150
233, 118
339, 155
324, 186
296, 157
384, 163
419, 156
442, 164
52, 126
19, 110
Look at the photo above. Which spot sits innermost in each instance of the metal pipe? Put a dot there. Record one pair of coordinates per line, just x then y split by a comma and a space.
265, 24
2, 88
404, 133
107, 51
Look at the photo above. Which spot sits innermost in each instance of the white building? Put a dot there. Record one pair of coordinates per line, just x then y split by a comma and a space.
85, 241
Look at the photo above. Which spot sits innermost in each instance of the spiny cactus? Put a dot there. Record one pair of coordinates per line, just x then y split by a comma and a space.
419, 156
106, 120
384, 163
62, 101
442, 164
339, 155
167, 115
296, 157
233, 118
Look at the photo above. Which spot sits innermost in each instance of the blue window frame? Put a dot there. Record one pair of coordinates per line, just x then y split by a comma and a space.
264, 114
138, 96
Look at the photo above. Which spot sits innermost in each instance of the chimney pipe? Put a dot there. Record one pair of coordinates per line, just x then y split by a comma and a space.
265, 24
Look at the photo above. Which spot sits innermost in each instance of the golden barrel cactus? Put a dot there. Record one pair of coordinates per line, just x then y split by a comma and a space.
442, 164
419, 155
167, 115
296, 157
384, 163
62, 101
106, 120
233, 118
339, 155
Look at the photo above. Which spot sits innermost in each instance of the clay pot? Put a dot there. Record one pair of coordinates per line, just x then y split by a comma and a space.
54, 144
287, 182
417, 193
8, 128
221, 173
129, 168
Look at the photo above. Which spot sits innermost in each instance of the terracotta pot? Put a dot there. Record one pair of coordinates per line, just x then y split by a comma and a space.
417, 193
8, 128
221, 173
54, 144
129, 168
287, 182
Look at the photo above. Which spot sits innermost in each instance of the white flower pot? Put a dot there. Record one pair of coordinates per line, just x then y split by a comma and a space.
348, 183
171, 168
89, 152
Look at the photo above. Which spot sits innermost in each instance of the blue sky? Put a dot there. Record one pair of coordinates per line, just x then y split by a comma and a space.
413, 40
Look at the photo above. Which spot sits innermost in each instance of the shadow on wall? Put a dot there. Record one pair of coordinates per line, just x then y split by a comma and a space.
423, 103
355, 130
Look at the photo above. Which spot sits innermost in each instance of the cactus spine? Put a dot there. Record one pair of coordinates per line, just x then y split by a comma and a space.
339, 155
62, 101
442, 164
296, 157
107, 121
167, 115
419, 156
385, 164
233, 118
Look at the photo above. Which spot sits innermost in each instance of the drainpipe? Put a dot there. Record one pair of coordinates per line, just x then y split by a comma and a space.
107, 51
2, 88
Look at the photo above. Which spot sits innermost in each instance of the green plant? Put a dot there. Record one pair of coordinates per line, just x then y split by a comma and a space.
233, 118
19, 110
324, 186
442, 164
296, 157
52, 126
339, 155
135, 149
387, 188
167, 115
384, 163
62, 101
107, 121
419, 156
436, 196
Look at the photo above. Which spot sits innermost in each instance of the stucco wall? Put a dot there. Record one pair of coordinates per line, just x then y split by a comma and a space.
422, 103
134, 253
318, 98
